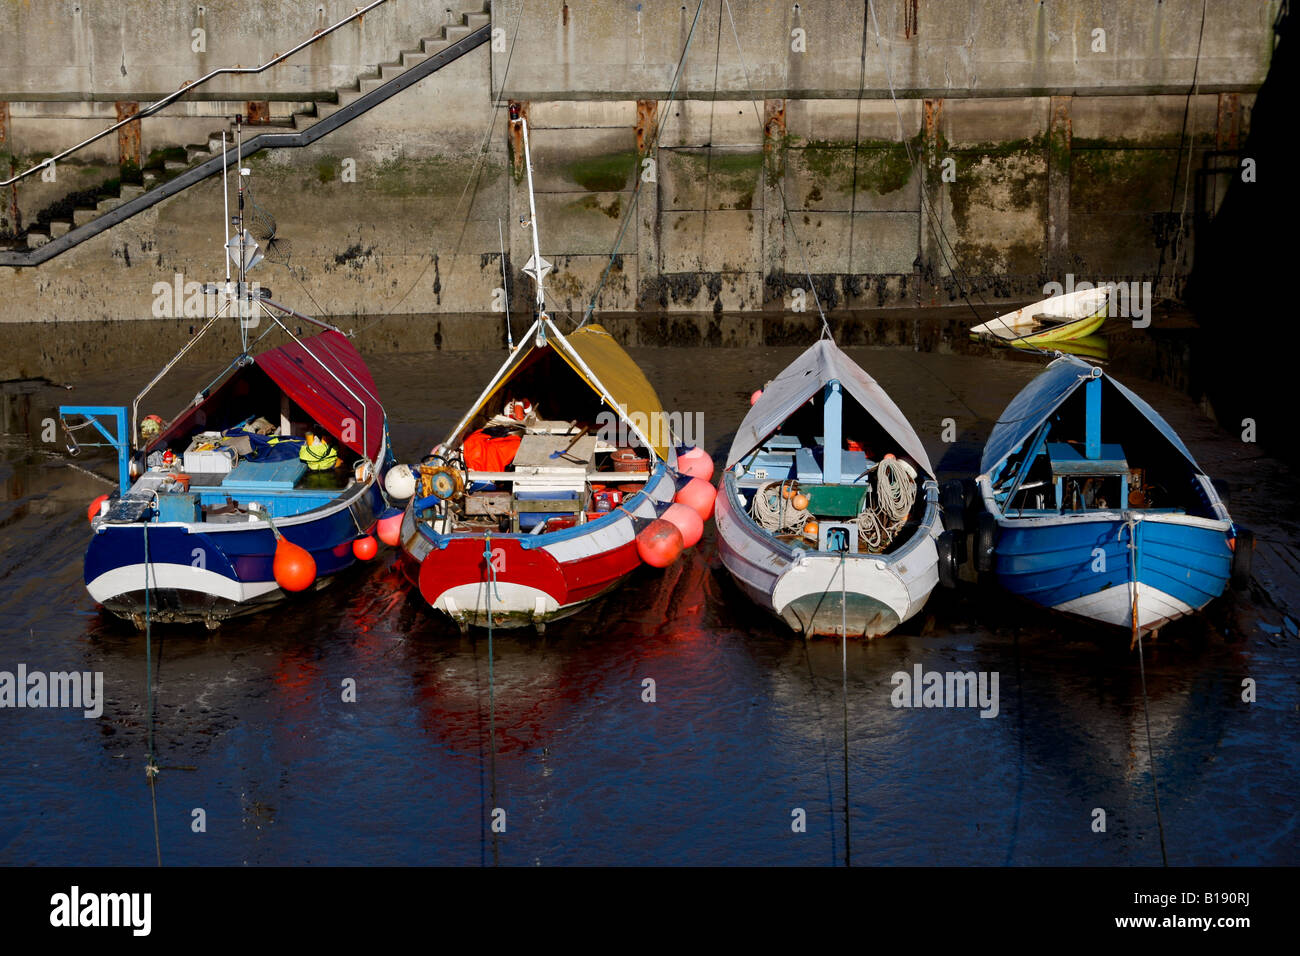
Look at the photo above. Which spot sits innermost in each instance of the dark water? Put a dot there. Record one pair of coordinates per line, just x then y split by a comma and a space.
747, 725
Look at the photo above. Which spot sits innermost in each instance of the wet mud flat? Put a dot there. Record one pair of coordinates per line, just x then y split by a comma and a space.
745, 726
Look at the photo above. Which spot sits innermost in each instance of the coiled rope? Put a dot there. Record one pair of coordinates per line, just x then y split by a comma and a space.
879, 524
774, 512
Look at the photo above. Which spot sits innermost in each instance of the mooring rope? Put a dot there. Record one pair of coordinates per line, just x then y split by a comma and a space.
1131, 524
151, 768
844, 681
492, 692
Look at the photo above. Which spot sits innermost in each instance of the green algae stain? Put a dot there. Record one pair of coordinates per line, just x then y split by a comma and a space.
603, 174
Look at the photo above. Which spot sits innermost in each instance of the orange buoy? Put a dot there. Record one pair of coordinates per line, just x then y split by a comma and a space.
390, 528
294, 567
365, 547
753, 399
686, 520
810, 528
93, 511
699, 494
788, 491
659, 543
800, 502
696, 463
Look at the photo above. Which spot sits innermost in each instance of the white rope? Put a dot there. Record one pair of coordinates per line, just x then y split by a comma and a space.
775, 513
879, 524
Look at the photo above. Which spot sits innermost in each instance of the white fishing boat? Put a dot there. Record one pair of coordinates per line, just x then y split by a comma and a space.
829, 513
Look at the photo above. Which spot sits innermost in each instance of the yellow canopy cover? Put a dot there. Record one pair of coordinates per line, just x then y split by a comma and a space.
601, 362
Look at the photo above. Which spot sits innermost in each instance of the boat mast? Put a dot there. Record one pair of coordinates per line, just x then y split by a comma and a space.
536, 267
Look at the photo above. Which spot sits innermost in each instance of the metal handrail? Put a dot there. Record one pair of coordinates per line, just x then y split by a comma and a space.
193, 85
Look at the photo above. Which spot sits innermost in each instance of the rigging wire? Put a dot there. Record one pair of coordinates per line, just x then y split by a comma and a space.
1183, 139
636, 190
780, 187
474, 174
954, 264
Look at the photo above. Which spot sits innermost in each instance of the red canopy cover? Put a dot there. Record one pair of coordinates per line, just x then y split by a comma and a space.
328, 378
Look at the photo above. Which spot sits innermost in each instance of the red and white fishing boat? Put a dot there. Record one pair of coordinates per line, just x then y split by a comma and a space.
558, 483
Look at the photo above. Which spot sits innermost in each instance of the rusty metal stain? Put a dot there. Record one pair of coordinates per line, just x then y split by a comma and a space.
128, 137
4, 123
647, 118
259, 112
1228, 131
517, 108
911, 24
933, 114
564, 15
773, 124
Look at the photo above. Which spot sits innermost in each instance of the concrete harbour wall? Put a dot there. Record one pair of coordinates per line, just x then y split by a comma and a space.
1013, 155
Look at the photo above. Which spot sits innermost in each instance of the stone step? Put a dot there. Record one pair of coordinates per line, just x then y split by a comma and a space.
129, 191
433, 45
302, 121
196, 153
348, 96
174, 166
372, 83
477, 21
457, 31
105, 205
37, 239
82, 216
412, 57
59, 227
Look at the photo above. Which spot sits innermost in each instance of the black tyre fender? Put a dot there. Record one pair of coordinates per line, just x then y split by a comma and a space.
947, 559
952, 498
986, 542
1242, 554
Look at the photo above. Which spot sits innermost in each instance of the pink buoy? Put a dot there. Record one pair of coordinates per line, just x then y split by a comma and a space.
686, 520
699, 494
389, 529
696, 463
659, 544
753, 399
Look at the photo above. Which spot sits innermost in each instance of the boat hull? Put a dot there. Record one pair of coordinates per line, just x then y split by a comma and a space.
205, 572
823, 593
522, 580
1082, 565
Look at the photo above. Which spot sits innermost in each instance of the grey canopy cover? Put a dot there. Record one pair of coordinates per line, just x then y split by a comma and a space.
1044, 395
805, 377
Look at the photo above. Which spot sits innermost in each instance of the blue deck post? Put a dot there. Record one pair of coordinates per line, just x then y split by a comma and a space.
832, 429
121, 441
1092, 412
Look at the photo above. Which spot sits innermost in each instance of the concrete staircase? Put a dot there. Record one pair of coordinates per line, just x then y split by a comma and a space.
197, 154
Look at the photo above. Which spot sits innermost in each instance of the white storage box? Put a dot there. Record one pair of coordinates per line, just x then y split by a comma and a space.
217, 460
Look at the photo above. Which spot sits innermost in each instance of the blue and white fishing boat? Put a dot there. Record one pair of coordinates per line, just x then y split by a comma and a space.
219, 512
1094, 506
819, 517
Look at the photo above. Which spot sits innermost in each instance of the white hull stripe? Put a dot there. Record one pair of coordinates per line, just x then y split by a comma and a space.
179, 577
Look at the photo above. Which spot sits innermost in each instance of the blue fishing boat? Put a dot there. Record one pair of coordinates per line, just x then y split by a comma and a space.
267, 483
1094, 506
